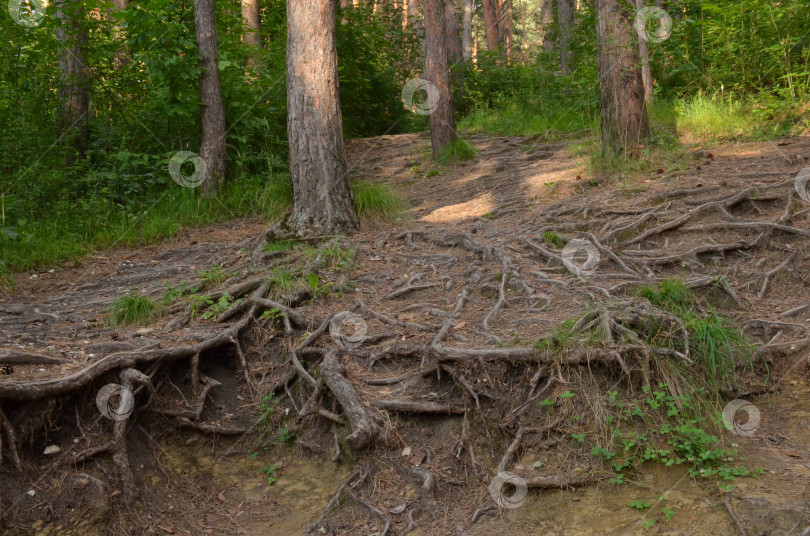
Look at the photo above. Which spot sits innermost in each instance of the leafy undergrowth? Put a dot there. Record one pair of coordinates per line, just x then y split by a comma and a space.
67, 233
673, 419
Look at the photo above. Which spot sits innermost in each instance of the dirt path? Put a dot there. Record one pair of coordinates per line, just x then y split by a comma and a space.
475, 226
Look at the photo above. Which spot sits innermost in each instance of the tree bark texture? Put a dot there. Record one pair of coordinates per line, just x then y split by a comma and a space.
490, 10
251, 28
565, 23
212, 149
621, 90
74, 98
442, 123
323, 202
466, 28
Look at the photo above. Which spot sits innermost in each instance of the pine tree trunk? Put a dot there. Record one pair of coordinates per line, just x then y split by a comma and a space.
122, 57
413, 15
621, 90
505, 27
74, 100
466, 29
323, 202
251, 27
565, 22
546, 22
646, 73
212, 150
453, 35
442, 123
490, 9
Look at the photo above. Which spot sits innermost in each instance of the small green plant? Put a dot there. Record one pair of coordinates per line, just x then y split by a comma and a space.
212, 277
579, 437
130, 310
553, 239
271, 314
639, 505
314, 283
173, 294
216, 309
267, 407
647, 523
198, 304
270, 470
284, 435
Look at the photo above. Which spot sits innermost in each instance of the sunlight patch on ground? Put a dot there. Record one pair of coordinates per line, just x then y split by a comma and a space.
474, 208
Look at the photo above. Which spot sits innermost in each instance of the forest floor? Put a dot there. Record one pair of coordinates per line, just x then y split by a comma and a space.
450, 368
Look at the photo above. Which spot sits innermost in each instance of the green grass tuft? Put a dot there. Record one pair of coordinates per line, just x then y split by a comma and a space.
459, 151
279, 245
6, 281
714, 343
519, 119
552, 238
376, 201
130, 310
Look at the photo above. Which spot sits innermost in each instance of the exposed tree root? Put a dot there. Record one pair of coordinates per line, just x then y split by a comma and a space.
478, 347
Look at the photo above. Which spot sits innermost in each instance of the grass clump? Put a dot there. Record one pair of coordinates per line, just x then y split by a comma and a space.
553, 239
212, 276
130, 310
530, 120
460, 150
279, 246
375, 201
714, 343
6, 281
